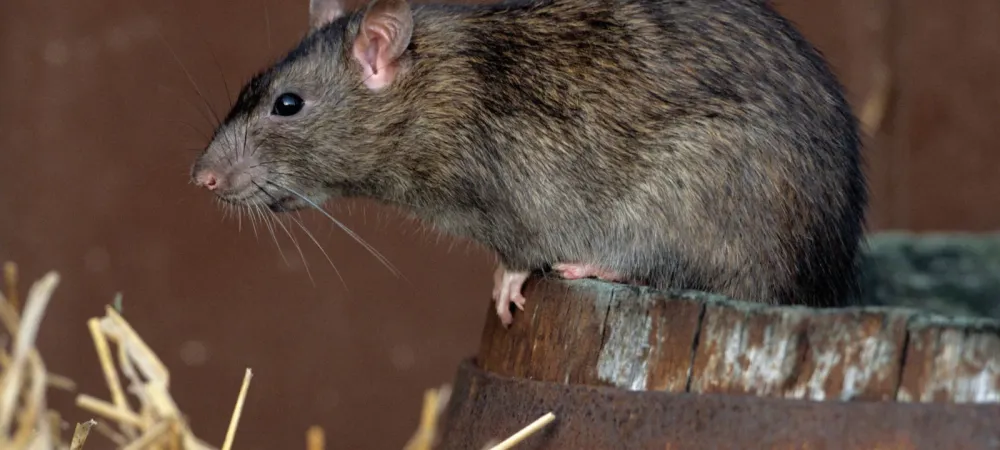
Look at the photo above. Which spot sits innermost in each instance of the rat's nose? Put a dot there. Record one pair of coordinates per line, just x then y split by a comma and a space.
207, 178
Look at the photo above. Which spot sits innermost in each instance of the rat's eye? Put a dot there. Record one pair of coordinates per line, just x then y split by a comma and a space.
287, 104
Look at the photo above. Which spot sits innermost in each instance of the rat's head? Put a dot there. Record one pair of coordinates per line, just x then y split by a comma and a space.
297, 132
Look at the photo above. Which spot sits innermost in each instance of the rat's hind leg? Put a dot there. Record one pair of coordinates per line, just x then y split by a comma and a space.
578, 271
506, 290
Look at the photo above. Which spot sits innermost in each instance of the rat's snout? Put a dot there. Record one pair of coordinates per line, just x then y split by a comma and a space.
234, 178
224, 179
206, 178
207, 175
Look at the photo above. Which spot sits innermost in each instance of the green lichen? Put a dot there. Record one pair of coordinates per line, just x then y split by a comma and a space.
954, 275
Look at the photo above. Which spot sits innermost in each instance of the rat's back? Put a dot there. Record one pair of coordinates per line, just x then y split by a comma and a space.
699, 144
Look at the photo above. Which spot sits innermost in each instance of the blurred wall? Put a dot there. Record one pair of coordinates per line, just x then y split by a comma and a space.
99, 123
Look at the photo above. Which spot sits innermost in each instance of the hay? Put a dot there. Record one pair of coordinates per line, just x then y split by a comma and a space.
435, 401
532, 428
156, 423
25, 421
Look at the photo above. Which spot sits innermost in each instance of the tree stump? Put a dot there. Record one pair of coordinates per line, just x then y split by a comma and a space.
629, 367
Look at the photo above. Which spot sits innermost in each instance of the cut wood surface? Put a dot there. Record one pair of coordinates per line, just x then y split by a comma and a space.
589, 332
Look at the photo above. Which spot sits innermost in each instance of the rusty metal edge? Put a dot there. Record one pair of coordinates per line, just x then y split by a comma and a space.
485, 407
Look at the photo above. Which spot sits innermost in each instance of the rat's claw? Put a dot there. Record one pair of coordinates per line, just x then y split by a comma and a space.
507, 287
578, 271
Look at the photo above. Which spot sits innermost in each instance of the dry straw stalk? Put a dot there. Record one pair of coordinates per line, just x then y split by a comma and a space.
156, 423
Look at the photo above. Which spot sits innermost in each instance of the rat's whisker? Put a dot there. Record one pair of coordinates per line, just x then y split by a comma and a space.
225, 210
347, 230
267, 222
229, 143
299, 176
232, 137
192, 127
320, 247
288, 174
246, 135
222, 74
267, 26
253, 220
275, 161
260, 215
201, 112
295, 242
189, 77
229, 137
246, 138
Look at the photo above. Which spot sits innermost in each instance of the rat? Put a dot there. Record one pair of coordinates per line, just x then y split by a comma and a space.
677, 144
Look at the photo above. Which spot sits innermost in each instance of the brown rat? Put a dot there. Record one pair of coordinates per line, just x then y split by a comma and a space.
691, 144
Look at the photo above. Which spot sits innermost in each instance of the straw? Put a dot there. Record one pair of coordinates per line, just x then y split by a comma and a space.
131, 369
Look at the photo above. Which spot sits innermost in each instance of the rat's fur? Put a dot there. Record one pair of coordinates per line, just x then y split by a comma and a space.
699, 144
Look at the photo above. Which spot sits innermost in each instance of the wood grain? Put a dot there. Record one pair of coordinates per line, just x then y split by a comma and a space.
588, 332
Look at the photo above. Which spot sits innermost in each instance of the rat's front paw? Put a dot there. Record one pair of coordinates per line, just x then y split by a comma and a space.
578, 271
506, 290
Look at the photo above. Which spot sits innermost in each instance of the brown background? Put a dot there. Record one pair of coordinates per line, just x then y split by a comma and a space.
99, 123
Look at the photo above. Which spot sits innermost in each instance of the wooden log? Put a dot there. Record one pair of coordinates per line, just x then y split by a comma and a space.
602, 334
633, 368
630, 367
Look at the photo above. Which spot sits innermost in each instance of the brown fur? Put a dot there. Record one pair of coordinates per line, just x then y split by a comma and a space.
698, 144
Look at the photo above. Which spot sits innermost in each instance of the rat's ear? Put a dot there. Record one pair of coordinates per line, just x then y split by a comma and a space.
384, 34
322, 12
